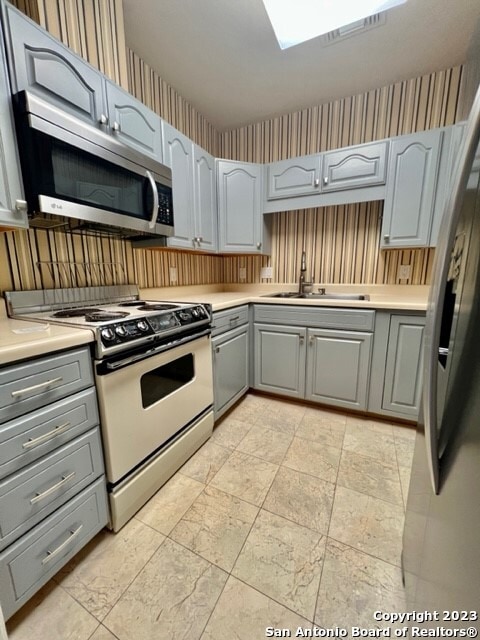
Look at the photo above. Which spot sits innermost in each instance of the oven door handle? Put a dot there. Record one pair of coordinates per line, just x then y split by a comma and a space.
112, 366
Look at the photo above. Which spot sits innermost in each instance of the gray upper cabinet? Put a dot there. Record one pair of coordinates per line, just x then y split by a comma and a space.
293, 177
13, 211
346, 383
42, 65
411, 183
132, 122
178, 155
360, 166
205, 200
240, 207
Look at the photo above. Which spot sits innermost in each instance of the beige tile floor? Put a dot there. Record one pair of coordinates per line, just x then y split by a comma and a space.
289, 516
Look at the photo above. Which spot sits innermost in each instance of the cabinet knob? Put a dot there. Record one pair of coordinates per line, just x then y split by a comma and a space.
20, 206
217, 349
301, 339
325, 180
103, 119
116, 126
316, 182
311, 339
386, 237
259, 245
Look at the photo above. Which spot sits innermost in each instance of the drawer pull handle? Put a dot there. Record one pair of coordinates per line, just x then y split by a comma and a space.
234, 318
40, 496
35, 387
51, 554
33, 442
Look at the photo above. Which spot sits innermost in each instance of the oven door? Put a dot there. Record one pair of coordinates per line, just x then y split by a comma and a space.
145, 404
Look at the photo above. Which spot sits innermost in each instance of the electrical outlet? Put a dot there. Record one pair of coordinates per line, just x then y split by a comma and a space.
266, 272
242, 274
404, 271
173, 275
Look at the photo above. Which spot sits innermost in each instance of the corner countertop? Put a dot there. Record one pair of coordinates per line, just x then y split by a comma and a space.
21, 339
393, 297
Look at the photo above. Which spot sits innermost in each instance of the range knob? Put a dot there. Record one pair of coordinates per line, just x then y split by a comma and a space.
120, 331
142, 325
108, 334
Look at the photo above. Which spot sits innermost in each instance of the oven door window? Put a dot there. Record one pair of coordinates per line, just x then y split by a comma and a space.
164, 380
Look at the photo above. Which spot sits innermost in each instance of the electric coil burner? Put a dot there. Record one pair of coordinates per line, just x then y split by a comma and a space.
101, 316
74, 313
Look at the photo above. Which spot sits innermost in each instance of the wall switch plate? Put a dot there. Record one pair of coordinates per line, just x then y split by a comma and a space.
266, 272
173, 275
404, 271
242, 274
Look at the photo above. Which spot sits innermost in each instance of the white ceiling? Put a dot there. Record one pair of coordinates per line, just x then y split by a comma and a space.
223, 57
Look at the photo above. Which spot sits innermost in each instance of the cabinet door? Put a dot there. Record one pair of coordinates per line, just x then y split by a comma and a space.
452, 140
230, 368
404, 365
44, 66
411, 183
133, 123
239, 206
293, 177
177, 154
338, 367
361, 166
280, 359
205, 199
12, 213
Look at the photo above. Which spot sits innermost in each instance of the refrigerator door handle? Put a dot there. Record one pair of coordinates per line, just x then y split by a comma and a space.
450, 220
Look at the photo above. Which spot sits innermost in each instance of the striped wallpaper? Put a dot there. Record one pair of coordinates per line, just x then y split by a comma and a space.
342, 243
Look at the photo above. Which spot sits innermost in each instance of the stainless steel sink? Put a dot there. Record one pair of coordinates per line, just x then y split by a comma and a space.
318, 296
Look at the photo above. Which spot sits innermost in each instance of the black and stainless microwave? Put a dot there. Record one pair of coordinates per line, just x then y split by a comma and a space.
73, 173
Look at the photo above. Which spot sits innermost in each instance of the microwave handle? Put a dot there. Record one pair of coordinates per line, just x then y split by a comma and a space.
153, 219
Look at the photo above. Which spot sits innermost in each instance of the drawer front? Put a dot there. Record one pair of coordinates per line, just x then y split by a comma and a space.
29, 496
322, 317
28, 386
24, 440
30, 562
229, 319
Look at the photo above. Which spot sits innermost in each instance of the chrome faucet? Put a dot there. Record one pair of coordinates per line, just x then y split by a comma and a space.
303, 270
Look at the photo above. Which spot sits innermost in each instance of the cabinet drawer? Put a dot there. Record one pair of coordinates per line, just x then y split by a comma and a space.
30, 562
32, 494
28, 386
322, 317
25, 439
229, 319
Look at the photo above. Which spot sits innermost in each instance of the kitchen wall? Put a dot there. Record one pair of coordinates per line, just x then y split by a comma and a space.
342, 243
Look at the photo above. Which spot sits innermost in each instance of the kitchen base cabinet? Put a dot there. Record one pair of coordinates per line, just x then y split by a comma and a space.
397, 367
338, 366
280, 359
230, 349
329, 364
53, 497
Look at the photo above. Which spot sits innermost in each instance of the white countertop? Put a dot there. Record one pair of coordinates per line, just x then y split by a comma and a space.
394, 297
21, 339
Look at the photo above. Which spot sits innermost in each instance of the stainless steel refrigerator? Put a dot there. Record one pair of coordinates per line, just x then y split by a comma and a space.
441, 543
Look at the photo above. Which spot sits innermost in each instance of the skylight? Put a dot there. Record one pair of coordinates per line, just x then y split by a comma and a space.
295, 21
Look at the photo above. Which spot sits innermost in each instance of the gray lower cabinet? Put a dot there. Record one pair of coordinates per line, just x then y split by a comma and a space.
280, 359
52, 485
338, 366
230, 349
324, 364
397, 367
